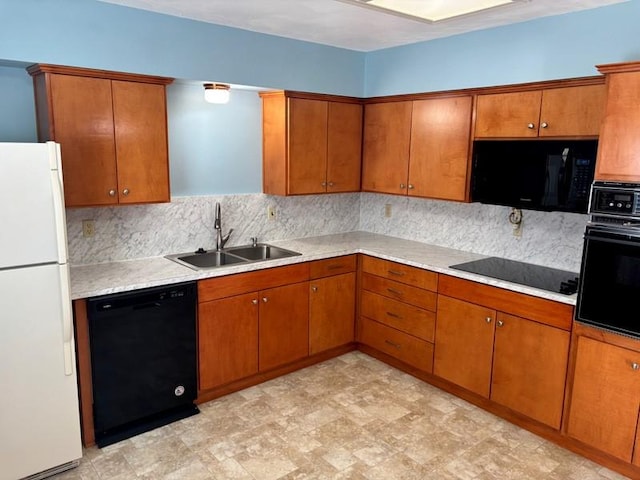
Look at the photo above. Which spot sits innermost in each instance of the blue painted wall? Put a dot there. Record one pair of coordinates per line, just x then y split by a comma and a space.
214, 148
94, 34
556, 47
17, 110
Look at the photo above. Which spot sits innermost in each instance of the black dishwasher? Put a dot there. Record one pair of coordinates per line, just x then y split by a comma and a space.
143, 359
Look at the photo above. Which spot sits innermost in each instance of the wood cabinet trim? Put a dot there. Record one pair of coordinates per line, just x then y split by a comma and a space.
620, 67
45, 68
311, 96
517, 87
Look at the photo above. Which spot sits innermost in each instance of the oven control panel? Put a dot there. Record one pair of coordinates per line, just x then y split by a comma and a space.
621, 199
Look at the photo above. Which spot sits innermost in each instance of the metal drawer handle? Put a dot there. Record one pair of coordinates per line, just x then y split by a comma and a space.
394, 345
396, 272
394, 315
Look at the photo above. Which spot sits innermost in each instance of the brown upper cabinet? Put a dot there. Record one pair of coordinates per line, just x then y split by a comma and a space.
112, 130
619, 145
418, 148
574, 111
311, 144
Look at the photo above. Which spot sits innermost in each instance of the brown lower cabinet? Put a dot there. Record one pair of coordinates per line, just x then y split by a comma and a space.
520, 363
332, 303
605, 396
397, 311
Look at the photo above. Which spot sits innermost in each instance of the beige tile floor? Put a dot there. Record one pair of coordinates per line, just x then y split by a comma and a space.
351, 417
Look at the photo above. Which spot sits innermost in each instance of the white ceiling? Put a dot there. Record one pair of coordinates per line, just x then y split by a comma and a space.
344, 23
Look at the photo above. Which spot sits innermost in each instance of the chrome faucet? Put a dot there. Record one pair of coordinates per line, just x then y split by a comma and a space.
217, 224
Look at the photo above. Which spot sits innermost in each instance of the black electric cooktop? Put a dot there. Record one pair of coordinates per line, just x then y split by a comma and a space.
545, 278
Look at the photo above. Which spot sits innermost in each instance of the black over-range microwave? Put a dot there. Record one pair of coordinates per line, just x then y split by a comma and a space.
551, 175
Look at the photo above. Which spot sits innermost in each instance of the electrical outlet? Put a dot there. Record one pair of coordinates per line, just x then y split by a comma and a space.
88, 228
271, 212
387, 210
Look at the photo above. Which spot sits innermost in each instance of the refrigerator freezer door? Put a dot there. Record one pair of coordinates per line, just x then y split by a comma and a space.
39, 415
33, 226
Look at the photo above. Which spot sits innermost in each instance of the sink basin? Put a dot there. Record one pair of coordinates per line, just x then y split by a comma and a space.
231, 256
206, 260
261, 251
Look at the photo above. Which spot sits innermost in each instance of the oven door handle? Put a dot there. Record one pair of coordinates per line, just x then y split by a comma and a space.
610, 235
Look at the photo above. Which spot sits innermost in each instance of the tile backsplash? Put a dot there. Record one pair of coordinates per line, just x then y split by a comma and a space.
128, 232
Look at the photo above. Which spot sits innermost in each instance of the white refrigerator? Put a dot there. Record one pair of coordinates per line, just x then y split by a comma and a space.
39, 415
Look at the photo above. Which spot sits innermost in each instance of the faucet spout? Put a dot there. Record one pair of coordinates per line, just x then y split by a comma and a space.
221, 240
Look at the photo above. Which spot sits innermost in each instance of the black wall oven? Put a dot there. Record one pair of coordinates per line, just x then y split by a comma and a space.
610, 273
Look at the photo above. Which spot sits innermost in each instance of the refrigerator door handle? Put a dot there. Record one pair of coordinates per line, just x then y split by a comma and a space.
58, 201
67, 320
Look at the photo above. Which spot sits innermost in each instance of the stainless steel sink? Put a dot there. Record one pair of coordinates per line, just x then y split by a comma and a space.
199, 261
231, 256
261, 251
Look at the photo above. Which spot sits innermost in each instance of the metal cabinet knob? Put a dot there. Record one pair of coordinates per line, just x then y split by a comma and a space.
314, 288
331, 184
265, 299
635, 366
125, 192
324, 184
411, 187
112, 193
254, 301
402, 185
544, 124
488, 319
531, 126
500, 323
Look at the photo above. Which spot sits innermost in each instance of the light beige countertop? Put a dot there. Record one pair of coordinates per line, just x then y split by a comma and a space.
105, 278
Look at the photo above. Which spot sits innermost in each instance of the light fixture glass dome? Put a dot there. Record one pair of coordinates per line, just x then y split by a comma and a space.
216, 92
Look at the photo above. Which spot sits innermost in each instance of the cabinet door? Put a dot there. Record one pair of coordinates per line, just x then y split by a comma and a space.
307, 146
572, 111
283, 325
504, 115
529, 368
227, 339
387, 133
82, 114
332, 302
439, 158
604, 398
140, 118
464, 344
619, 140
344, 147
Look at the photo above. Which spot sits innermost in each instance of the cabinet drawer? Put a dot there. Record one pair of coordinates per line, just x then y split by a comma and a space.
410, 350
332, 266
228, 285
407, 318
400, 291
401, 273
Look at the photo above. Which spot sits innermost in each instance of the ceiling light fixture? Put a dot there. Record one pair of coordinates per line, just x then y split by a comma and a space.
216, 92
434, 10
